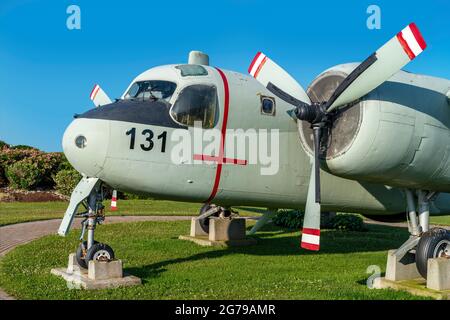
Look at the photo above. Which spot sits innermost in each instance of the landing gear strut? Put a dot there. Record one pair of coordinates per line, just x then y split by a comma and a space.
426, 243
90, 249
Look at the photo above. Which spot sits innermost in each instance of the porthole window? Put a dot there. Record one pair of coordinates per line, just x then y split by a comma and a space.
268, 106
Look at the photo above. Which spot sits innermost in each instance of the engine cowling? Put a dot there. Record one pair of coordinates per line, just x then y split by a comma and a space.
397, 135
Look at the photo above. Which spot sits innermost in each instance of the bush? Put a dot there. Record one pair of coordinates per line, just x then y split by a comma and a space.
24, 174
37, 167
3, 144
133, 196
3, 180
10, 156
292, 219
347, 221
66, 180
23, 147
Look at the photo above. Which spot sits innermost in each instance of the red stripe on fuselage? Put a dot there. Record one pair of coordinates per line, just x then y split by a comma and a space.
226, 105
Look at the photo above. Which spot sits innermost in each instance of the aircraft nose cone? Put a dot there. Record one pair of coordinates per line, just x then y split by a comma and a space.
85, 143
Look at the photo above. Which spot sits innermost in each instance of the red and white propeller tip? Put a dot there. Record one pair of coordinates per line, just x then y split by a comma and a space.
99, 97
310, 239
258, 62
94, 92
114, 201
411, 40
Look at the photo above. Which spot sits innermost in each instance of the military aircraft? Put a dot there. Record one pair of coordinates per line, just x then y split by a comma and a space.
365, 138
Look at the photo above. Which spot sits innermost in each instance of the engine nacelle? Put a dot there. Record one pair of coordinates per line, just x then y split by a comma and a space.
397, 135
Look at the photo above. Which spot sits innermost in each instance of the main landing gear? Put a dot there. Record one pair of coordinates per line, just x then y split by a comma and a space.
211, 210
426, 243
90, 249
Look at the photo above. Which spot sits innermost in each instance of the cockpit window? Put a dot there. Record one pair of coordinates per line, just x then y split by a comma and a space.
151, 90
196, 103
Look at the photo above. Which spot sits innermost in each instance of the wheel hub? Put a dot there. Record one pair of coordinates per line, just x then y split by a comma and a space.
102, 255
442, 249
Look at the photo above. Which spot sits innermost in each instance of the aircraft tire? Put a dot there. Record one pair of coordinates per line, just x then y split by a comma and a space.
81, 254
432, 244
204, 223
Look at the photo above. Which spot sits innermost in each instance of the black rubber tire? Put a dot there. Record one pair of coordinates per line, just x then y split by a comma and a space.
426, 247
91, 253
204, 223
81, 253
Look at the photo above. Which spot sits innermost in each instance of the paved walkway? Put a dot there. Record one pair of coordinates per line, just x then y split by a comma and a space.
14, 235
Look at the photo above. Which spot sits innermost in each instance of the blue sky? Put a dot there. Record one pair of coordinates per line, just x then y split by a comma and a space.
47, 71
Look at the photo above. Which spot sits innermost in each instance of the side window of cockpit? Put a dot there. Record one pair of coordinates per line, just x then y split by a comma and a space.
196, 103
267, 106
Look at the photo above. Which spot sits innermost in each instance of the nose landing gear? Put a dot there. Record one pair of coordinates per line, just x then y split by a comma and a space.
90, 249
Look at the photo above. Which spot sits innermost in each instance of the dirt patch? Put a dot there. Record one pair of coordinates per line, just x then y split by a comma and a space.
10, 195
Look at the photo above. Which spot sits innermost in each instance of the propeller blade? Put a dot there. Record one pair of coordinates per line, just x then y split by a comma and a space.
277, 80
379, 67
311, 223
99, 97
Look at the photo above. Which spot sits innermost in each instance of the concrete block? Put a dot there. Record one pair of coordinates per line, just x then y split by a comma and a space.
100, 275
224, 229
401, 269
80, 280
196, 229
102, 270
438, 276
72, 266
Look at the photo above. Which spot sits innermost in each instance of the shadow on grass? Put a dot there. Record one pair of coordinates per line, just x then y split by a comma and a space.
274, 242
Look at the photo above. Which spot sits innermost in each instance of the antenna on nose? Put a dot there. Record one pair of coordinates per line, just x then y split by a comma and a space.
198, 57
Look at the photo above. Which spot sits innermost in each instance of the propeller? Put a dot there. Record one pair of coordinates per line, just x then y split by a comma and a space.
372, 72
99, 97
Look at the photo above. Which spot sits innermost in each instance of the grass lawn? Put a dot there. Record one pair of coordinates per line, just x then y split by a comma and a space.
276, 268
15, 212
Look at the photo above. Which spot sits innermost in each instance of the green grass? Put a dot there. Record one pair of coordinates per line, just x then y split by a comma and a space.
276, 268
442, 220
16, 212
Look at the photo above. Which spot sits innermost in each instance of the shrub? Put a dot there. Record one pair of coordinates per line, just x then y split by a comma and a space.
3, 180
24, 174
66, 180
347, 221
10, 156
38, 167
133, 196
50, 164
3, 144
23, 147
292, 219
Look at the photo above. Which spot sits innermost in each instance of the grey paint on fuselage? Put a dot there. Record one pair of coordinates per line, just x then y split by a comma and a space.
153, 172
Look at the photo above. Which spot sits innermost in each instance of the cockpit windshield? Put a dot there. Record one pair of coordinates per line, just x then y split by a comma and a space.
151, 90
